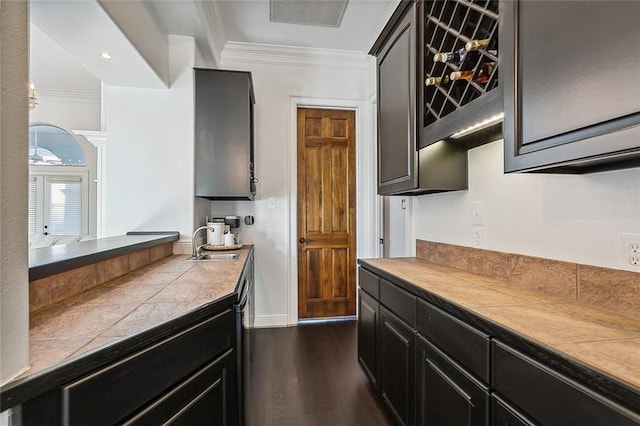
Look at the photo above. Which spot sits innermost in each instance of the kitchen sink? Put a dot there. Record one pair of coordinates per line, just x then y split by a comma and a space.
219, 257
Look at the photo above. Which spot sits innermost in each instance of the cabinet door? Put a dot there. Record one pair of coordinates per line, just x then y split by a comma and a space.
397, 367
368, 309
503, 414
224, 163
397, 108
445, 394
570, 71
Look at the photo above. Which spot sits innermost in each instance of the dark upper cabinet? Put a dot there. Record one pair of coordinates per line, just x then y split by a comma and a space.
397, 103
224, 147
418, 149
570, 73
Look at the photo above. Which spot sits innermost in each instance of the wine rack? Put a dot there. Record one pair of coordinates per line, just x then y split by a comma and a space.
448, 26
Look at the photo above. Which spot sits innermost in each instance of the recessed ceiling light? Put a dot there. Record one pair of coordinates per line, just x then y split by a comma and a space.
105, 55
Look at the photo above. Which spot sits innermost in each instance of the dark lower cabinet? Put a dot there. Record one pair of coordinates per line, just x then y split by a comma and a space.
205, 398
441, 370
397, 341
367, 335
535, 388
503, 414
445, 393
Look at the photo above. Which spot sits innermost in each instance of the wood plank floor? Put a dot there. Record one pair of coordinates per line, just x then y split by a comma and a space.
309, 375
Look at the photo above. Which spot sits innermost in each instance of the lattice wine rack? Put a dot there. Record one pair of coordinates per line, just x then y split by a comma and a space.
449, 25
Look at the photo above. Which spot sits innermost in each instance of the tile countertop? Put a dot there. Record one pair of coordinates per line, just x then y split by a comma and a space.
600, 339
127, 305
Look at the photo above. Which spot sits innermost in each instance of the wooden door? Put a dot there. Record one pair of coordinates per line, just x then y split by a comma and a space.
326, 213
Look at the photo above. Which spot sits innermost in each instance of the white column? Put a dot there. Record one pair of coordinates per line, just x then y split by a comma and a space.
99, 140
14, 175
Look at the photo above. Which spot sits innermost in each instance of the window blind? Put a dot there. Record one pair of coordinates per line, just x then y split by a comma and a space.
65, 207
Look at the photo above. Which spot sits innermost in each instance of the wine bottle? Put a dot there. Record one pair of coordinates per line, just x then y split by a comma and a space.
460, 58
434, 81
451, 57
461, 75
484, 72
474, 45
482, 76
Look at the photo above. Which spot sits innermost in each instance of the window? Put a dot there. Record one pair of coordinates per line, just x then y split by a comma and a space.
58, 183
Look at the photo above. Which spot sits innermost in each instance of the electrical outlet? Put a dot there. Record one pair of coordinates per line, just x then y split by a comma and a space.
630, 252
271, 203
477, 236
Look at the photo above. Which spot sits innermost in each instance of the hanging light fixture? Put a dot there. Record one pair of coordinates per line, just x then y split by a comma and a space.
33, 101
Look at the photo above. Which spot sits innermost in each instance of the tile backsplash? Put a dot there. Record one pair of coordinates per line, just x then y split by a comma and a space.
612, 289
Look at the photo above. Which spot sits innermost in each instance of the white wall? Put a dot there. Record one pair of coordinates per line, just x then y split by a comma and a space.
68, 94
575, 218
14, 288
150, 151
277, 85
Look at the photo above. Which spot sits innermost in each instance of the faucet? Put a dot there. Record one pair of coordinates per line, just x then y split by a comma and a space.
195, 249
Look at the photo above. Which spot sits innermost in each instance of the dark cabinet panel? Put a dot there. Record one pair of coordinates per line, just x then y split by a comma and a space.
465, 344
140, 378
397, 108
224, 148
570, 76
369, 282
545, 388
397, 341
368, 309
445, 394
503, 414
399, 301
206, 398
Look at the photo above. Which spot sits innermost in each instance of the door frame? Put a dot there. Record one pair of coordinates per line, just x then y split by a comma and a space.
367, 206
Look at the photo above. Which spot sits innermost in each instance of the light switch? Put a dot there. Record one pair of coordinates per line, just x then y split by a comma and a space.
477, 213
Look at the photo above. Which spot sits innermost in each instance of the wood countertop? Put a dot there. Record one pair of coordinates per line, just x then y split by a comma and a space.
126, 306
602, 340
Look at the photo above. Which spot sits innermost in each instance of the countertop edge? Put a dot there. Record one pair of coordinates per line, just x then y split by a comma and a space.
90, 251
620, 391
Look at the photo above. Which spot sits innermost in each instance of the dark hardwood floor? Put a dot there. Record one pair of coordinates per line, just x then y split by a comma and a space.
309, 375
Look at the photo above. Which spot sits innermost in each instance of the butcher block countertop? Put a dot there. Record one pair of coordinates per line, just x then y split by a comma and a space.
123, 307
602, 340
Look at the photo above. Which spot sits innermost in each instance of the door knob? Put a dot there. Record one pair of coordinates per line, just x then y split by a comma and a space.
302, 240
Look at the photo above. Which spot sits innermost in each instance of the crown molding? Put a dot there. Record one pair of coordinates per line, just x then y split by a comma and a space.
294, 56
210, 19
70, 95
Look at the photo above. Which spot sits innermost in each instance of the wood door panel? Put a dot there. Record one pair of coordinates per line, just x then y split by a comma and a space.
326, 213
339, 262
313, 188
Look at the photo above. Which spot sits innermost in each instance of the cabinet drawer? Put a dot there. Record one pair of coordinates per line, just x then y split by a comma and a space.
115, 392
548, 397
465, 344
207, 385
369, 282
400, 302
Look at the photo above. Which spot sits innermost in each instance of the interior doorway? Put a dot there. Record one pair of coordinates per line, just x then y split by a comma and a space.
326, 211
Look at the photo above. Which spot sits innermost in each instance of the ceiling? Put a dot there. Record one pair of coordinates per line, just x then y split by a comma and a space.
248, 21
134, 31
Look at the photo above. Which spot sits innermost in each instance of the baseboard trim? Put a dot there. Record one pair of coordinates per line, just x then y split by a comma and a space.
266, 321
